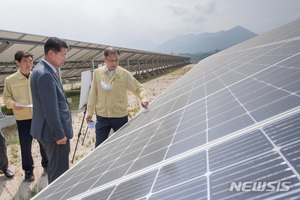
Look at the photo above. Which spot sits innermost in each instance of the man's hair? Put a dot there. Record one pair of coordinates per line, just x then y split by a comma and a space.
22, 53
55, 44
110, 50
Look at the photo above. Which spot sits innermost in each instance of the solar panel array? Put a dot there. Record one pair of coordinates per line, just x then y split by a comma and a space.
82, 56
228, 129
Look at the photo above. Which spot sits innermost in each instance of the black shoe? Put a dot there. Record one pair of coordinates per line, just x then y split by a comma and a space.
29, 176
8, 173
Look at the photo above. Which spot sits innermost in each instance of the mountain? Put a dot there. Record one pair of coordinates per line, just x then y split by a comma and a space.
205, 42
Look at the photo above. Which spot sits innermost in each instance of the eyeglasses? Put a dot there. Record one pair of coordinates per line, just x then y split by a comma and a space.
112, 60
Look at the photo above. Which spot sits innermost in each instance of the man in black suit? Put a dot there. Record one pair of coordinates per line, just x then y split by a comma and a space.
51, 121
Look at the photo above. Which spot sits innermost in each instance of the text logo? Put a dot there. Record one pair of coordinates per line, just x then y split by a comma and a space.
259, 186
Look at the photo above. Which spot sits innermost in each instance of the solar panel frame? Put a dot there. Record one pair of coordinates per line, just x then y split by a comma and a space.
233, 118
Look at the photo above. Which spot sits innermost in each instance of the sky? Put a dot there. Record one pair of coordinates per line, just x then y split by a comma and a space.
141, 24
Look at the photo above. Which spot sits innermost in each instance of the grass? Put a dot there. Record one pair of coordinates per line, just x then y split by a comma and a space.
15, 155
34, 191
6, 111
11, 135
75, 96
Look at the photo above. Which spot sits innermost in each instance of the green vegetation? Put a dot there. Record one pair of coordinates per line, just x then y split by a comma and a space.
75, 96
11, 135
15, 155
6, 111
34, 191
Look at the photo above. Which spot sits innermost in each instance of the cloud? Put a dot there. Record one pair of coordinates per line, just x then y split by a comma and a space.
141, 24
193, 9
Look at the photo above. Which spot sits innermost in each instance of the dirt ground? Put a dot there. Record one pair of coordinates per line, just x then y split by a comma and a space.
17, 189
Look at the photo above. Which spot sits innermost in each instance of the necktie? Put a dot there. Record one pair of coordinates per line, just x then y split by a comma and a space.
57, 74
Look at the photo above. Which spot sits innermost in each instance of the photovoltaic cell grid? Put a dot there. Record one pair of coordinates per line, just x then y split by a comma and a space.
234, 117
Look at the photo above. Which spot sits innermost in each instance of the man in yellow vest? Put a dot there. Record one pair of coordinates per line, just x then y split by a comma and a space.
108, 96
17, 96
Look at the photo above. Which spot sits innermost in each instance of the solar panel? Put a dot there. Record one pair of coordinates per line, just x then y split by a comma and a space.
82, 56
228, 129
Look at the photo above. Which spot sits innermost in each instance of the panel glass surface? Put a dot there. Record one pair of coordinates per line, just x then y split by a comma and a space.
233, 119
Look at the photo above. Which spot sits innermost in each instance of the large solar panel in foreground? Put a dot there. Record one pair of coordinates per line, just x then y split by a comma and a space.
228, 129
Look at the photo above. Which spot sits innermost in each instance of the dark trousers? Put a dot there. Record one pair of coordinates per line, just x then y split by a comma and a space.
26, 143
105, 124
3, 153
58, 159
